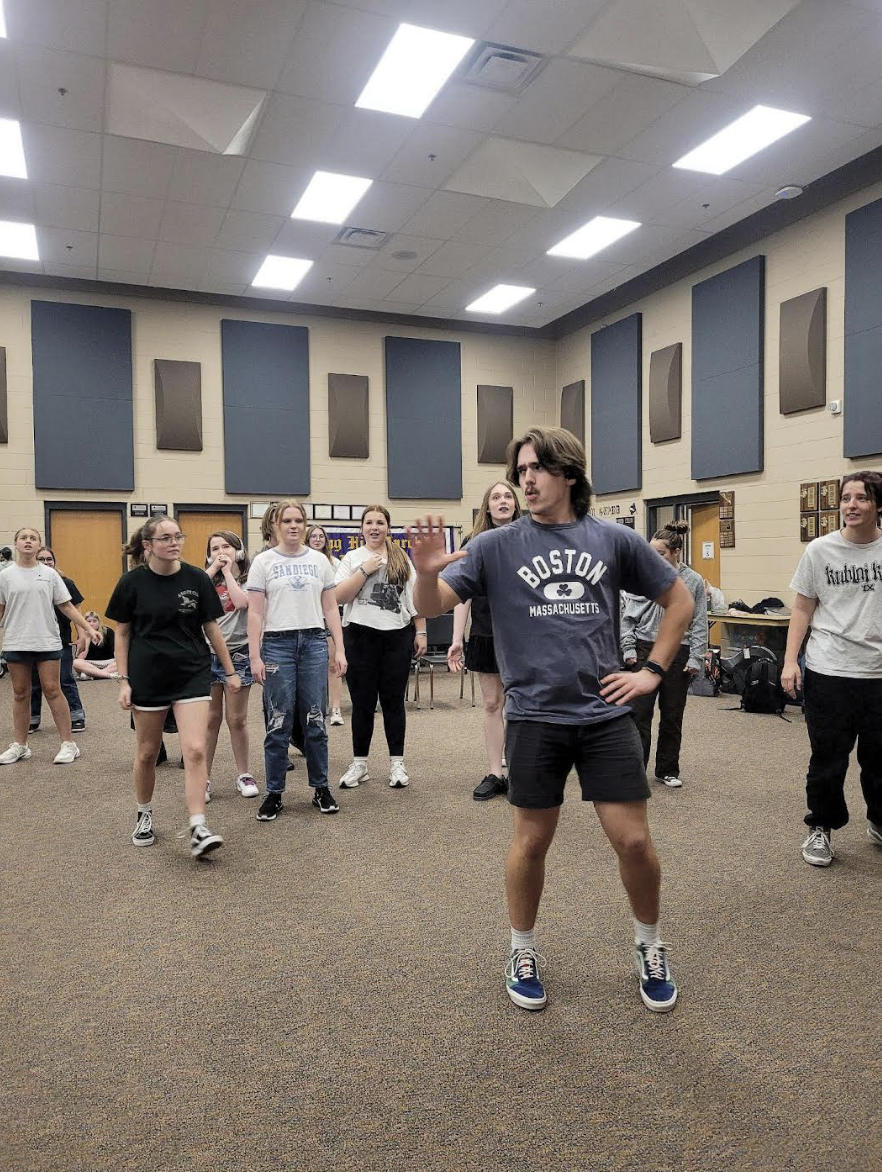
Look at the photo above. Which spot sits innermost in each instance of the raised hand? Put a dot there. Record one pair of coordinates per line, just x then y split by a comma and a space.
427, 546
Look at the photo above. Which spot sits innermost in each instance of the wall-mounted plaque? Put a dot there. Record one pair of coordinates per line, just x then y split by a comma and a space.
629, 521
808, 497
829, 522
829, 495
159, 510
727, 534
727, 506
808, 526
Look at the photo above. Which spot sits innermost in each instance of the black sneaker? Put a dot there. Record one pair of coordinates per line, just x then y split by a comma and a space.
202, 841
78, 725
323, 800
143, 834
269, 807
33, 726
489, 788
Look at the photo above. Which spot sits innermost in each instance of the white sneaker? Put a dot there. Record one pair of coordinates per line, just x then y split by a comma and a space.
336, 716
15, 752
246, 785
208, 791
669, 780
354, 775
67, 753
398, 778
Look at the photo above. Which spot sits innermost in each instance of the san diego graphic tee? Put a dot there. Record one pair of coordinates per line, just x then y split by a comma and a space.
554, 599
846, 580
168, 657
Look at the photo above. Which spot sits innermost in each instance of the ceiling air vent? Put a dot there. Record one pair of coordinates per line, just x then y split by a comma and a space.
499, 67
361, 238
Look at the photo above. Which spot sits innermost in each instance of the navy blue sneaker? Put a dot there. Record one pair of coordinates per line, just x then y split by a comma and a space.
657, 986
522, 979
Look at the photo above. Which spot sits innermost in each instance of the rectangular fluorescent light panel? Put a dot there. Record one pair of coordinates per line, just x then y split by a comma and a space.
416, 64
18, 241
12, 159
499, 299
330, 198
747, 135
593, 237
281, 272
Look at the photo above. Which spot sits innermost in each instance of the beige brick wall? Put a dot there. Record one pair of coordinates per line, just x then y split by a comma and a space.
806, 446
180, 331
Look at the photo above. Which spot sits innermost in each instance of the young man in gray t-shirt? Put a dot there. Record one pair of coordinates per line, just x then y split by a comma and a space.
552, 580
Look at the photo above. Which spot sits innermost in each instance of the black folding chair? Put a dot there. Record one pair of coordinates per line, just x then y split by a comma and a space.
439, 636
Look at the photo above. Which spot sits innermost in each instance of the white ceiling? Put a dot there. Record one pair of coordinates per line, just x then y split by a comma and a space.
123, 209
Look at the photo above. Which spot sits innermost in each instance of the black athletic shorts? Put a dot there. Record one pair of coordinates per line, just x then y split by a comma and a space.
608, 757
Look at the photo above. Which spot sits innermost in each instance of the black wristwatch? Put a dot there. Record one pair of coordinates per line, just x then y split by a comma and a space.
655, 668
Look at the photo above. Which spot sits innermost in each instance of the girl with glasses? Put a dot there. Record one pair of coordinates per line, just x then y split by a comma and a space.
165, 610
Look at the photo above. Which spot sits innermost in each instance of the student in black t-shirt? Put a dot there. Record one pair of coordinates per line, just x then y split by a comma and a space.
165, 610
46, 557
96, 661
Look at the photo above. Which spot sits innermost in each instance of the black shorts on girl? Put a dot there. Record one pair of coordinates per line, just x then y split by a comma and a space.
607, 756
30, 656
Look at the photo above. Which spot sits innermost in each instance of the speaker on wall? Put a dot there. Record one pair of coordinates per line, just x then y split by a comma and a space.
495, 423
178, 391
572, 409
348, 404
802, 360
665, 393
4, 417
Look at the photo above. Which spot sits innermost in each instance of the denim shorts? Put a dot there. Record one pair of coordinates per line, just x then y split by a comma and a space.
241, 664
31, 656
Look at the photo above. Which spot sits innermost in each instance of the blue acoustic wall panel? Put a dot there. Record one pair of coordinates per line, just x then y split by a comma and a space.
423, 419
727, 371
266, 408
82, 358
862, 432
616, 406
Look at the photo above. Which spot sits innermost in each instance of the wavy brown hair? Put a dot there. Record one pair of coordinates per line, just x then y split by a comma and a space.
483, 520
233, 539
561, 454
398, 563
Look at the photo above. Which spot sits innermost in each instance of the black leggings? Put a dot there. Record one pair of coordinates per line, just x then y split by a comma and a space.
379, 664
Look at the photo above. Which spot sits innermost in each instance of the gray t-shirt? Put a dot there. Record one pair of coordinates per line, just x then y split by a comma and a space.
30, 596
846, 580
554, 599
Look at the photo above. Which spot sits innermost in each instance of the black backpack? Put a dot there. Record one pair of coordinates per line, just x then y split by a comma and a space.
762, 688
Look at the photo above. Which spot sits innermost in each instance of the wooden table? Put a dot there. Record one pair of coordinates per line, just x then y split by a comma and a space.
742, 630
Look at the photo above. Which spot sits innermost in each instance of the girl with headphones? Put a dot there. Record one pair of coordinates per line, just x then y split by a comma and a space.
227, 565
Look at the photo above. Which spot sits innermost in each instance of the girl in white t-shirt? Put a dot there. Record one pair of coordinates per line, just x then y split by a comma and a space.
291, 601
375, 584
227, 564
28, 593
838, 585
317, 539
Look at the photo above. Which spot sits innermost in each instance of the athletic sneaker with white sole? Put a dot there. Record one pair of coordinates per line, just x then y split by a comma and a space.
817, 850
202, 841
669, 780
355, 775
143, 834
522, 981
398, 778
336, 716
874, 833
657, 988
67, 753
246, 785
15, 752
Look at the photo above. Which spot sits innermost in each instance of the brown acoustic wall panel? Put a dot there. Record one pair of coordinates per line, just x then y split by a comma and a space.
802, 352
495, 423
178, 388
4, 417
348, 416
572, 409
665, 393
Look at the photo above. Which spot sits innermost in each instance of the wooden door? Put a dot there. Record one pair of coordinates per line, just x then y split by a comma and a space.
704, 537
199, 526
88, 548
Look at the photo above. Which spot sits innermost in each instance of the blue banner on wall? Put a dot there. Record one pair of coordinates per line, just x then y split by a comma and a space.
343, 538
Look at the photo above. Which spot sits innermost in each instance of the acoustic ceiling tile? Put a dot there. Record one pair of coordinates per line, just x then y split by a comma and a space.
55, 155
521, 172
64, 246
633, 104
430, 154
137, 167
560, 95
269, 188
543, 28
16, 200
123, 214
163, 34
66, 207
248, 231
294, 129
334, 52
389, 206
471, 107
248, 43
43, 73
364, 143
188, 223
443, 214
124, 254
200, 178
78, 26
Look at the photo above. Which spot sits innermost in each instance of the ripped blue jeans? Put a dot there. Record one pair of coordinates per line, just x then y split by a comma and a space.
296, 688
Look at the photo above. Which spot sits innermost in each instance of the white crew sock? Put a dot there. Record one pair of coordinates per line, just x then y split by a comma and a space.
197, 820
359, 760
395, 761
645, 933
523, 939
145, 807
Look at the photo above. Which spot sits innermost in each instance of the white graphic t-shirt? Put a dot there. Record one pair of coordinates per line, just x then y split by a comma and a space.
293, 585
554, 599
846, 579
379, 603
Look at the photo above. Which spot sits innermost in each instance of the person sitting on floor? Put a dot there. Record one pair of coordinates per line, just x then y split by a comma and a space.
97, 663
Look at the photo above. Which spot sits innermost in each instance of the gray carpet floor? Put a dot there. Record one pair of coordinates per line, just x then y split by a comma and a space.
327, 991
